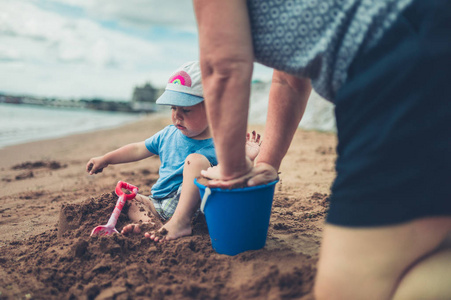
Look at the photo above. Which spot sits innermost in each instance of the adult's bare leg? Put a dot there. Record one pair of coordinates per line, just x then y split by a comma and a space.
429, 278
373, 263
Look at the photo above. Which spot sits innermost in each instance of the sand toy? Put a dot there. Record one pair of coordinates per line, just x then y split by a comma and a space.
232, 230
109, 228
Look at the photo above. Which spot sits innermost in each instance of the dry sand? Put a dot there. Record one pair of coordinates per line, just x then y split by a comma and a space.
49, 205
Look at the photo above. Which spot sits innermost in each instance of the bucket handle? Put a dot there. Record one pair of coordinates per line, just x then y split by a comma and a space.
204, 198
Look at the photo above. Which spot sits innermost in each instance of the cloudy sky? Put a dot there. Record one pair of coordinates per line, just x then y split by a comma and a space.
94, 48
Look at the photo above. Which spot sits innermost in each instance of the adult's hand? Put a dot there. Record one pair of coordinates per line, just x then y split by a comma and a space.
260, 174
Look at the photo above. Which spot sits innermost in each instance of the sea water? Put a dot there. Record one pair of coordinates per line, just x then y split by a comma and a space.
21, 123
25, 123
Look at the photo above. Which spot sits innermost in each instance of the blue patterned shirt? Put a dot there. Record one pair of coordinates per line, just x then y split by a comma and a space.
318, 39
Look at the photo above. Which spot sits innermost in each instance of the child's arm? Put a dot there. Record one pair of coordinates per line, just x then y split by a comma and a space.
128, 153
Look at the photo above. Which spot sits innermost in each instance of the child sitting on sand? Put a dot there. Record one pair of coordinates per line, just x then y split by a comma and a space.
185, 148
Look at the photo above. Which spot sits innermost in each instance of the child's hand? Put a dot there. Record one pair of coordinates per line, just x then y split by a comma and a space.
95, 165
252, 145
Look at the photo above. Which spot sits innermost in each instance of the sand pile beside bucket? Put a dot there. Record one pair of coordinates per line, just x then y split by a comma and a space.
66, 263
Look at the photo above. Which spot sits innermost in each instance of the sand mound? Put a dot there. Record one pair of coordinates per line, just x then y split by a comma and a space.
66, 263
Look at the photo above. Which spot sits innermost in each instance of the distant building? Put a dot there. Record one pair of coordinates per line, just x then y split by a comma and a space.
146, 93
144, 97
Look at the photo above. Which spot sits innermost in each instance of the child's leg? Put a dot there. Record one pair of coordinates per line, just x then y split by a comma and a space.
180, 223
140, 210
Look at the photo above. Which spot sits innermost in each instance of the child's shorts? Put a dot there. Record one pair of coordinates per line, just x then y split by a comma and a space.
166, 207
394, 124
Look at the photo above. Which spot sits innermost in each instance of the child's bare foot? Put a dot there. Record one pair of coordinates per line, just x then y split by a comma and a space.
252, 145
170, 231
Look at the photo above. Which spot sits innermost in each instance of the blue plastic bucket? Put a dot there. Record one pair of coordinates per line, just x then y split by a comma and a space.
237, 219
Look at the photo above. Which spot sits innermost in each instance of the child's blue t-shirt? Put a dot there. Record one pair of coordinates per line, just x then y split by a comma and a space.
173, 147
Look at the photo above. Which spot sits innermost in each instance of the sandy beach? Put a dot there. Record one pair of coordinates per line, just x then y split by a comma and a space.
49, 205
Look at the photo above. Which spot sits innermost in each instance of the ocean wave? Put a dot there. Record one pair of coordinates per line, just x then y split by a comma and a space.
319, 113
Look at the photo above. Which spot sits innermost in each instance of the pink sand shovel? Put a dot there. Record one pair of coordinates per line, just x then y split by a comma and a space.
109, 228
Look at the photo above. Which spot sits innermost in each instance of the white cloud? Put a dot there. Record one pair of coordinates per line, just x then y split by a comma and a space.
8, 54
46, 53
94, 48
141, 13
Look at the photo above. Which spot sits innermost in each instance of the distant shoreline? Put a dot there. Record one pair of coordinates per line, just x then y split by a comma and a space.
23, 123
37, 148
93, 104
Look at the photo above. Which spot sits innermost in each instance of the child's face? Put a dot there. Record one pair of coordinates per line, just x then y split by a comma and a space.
191, 121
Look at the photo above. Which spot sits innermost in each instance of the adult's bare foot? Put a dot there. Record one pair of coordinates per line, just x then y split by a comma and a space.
172, 230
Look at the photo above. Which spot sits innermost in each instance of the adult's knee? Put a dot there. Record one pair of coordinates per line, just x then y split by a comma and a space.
324, 289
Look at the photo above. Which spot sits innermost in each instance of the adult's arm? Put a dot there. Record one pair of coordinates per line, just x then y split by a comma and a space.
288, 98
226, 59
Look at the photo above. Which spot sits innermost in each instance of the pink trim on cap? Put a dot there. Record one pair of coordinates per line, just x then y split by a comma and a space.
181, 77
